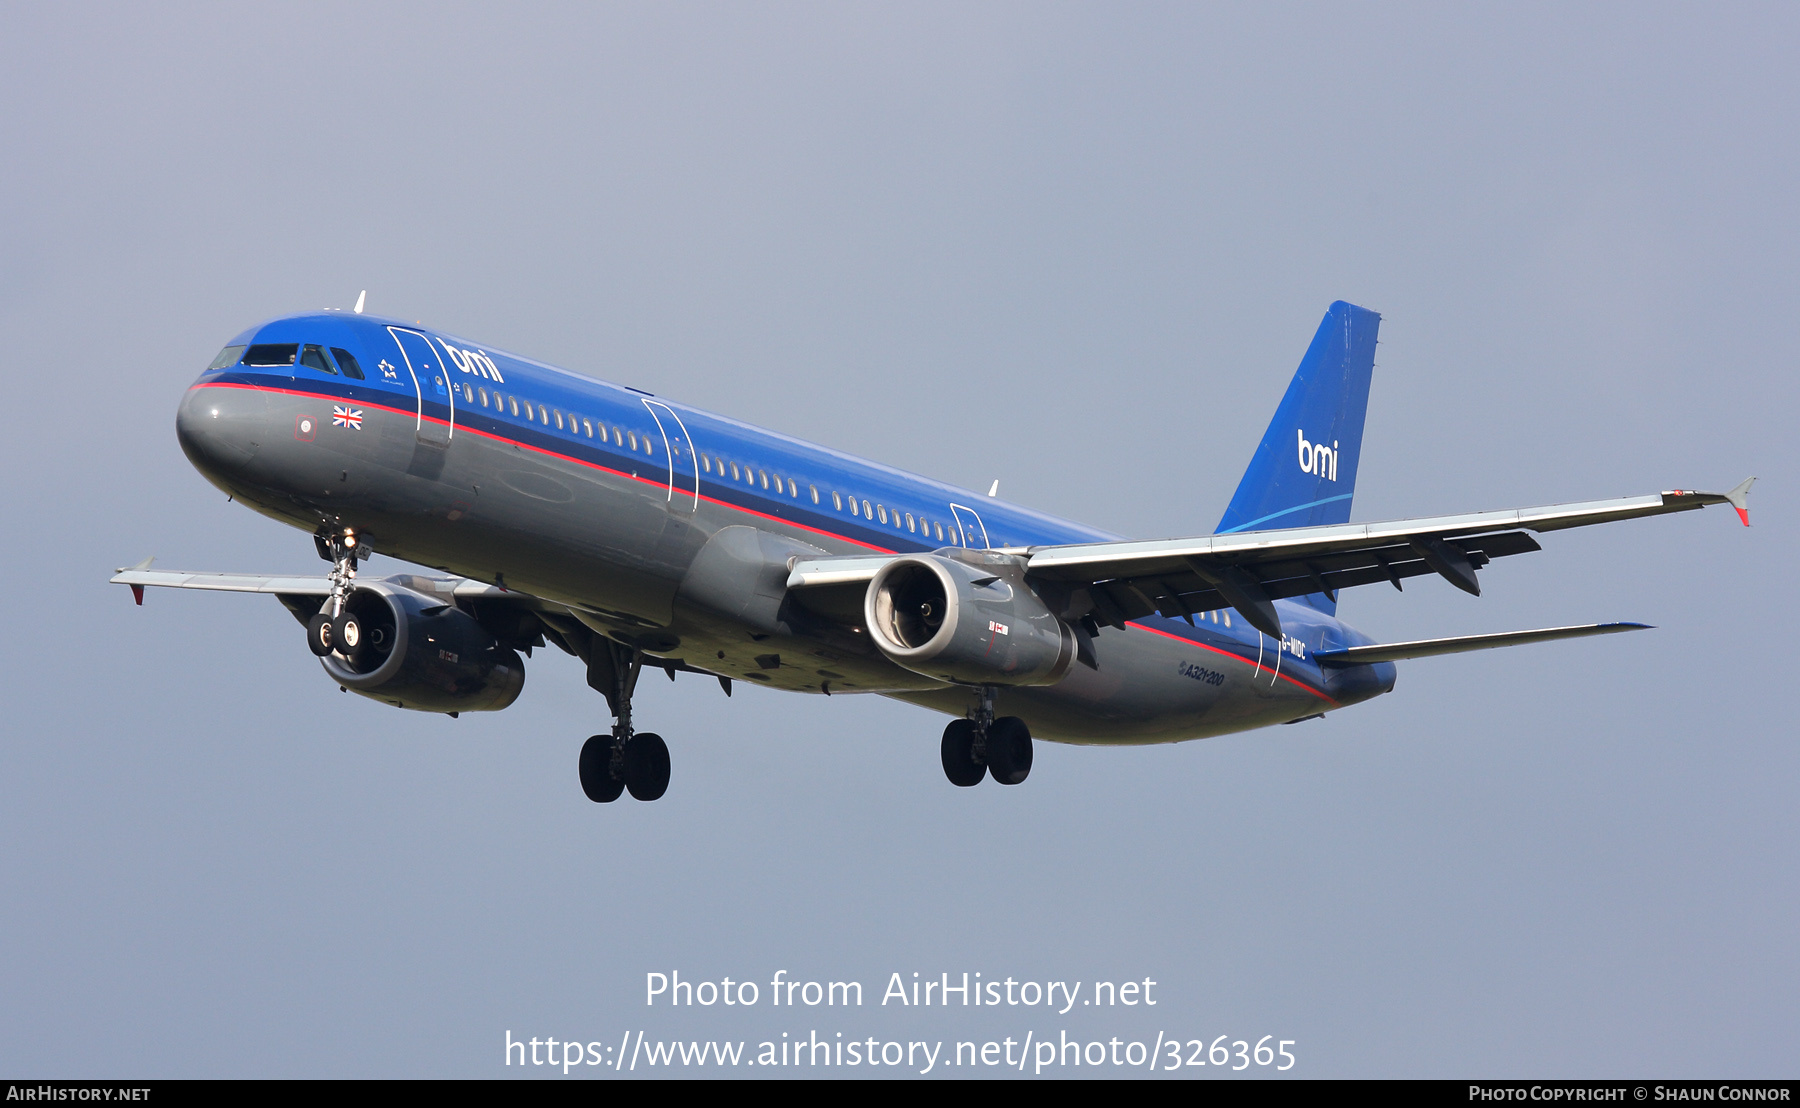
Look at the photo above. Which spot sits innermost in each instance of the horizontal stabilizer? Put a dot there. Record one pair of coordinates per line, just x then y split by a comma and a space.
1425, 648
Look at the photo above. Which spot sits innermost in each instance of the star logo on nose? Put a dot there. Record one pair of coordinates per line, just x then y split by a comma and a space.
388, 370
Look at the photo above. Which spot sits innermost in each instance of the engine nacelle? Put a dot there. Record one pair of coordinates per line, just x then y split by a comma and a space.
425, 655
967, 624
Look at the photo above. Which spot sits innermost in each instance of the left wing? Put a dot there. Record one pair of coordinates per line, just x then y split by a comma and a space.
1113, 582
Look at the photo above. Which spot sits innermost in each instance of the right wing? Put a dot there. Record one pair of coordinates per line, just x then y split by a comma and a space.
141, 576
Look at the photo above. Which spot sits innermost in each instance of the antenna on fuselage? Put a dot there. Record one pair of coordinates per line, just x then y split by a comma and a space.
994, 489
360, 297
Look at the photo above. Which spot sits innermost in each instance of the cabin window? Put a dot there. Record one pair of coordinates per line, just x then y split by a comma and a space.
837, 501
272, 353
543, 415
764, 474
793, 489
515, 405
814, 489
881, 511
853, 510
868, 512
734, 471
587, 428
558, 416
347, 362
648, 448
633, 435
909, 522
705, 463
468, 392
483, 394
229, 356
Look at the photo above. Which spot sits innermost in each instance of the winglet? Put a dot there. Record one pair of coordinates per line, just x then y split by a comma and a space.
1740, 499
137, 591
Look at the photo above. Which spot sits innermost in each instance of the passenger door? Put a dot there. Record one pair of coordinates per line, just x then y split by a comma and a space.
684, 465
430, 380
974, 532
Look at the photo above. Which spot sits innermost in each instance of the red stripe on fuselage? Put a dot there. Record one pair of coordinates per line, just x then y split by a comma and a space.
465, 428
1236, 657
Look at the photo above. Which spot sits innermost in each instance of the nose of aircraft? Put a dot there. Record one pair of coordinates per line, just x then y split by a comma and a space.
220, 429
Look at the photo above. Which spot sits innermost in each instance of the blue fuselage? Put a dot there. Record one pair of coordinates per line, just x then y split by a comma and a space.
600, 497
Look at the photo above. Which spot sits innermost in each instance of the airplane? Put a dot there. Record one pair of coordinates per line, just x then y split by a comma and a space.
633, 531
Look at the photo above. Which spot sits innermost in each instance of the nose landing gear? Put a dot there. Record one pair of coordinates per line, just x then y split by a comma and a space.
624, 760
332, 629
981, 745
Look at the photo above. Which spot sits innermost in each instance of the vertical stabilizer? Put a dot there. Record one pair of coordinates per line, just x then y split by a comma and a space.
1304, 470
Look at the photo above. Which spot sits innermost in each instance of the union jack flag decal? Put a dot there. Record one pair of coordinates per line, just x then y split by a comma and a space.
346, 417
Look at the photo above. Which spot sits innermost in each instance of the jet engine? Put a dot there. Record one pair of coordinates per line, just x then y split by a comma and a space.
966, 624
418, 652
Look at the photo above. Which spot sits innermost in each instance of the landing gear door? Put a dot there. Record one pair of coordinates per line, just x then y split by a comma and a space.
678, 449
974, 532
431, 383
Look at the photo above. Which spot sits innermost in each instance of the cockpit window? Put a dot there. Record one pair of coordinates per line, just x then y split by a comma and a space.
272, 353
314, 358
227, 356
347, 361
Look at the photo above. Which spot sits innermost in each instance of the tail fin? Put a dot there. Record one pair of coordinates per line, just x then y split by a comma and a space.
1304, 470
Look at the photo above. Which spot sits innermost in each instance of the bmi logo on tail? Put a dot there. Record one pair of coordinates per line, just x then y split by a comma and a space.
1320, 460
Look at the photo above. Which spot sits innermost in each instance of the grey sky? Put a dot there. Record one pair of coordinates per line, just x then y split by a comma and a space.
1076, 248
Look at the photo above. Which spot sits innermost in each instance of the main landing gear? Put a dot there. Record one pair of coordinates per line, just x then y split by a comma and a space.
981, 745
624, 760
333, 629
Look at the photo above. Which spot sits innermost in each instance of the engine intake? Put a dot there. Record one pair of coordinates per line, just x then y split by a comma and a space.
425, 655
966, 624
